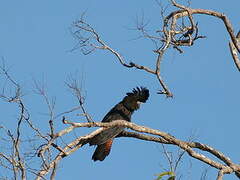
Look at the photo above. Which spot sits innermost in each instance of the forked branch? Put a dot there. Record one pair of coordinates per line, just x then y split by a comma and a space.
172, 35
226, 166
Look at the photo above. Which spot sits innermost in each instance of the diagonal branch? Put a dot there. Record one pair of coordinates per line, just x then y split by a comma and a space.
185, 11
234, 51
94, 41
161, 137
226, 167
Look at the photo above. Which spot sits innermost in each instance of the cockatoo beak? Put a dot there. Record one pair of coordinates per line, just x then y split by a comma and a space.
139, 103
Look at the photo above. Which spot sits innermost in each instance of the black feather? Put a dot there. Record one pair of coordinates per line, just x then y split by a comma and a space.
122, 111
141, 94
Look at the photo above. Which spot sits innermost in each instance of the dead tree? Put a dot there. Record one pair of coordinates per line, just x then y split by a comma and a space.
49, 153
173, 34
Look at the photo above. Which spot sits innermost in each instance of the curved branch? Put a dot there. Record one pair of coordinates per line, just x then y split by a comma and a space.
228, 167
234, 52
94, 42
185, 11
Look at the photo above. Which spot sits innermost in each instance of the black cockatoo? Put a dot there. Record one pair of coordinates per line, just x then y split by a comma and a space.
122, 111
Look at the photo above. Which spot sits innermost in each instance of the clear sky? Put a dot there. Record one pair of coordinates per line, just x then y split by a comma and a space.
35, 42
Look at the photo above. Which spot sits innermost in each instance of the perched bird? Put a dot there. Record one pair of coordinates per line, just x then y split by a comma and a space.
122, 111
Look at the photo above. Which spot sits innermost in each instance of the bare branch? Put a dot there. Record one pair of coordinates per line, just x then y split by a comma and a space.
234, 51
76, 89
98, 43
40, 88
179, 29
234, 44
186, 146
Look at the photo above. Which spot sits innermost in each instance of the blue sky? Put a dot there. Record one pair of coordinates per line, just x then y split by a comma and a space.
36, 42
